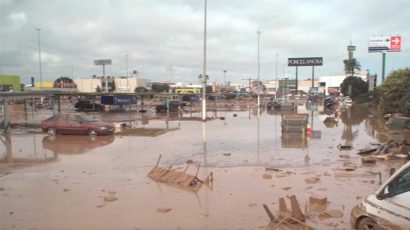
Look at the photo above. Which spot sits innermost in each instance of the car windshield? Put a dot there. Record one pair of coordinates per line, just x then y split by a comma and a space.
401, 184
87, 118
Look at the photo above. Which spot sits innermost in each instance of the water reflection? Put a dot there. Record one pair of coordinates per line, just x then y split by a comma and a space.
21, 157
72, 144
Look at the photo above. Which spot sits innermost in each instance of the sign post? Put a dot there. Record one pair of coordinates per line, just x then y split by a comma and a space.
383, 44
103, 62
307, 61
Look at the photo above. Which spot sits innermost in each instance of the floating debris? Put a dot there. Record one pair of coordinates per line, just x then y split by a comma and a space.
110, 198
163, 210
312, 180
267, 176
179, 178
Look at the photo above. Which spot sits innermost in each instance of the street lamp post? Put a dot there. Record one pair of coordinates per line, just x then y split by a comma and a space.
204, 76
39, 57
258, 88
225, 76
126, 64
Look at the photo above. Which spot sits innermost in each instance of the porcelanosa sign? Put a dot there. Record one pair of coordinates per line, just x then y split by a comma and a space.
308, 61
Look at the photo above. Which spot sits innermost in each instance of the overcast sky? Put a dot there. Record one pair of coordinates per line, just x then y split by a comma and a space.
156, 34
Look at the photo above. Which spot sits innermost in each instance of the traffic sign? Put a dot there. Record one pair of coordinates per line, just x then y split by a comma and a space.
395, 43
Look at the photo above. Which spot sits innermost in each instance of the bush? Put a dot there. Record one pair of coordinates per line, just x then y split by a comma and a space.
394, 93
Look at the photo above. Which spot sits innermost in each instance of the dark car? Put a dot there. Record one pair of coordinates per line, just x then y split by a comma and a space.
89, 106
75, 124
172, 106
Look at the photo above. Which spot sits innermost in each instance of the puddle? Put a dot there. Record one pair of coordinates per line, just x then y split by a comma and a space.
57, 182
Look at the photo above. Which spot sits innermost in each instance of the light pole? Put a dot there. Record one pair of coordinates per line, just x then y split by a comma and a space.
276, 76
39, 57
204, 76
259, 99
225, 76
126, 64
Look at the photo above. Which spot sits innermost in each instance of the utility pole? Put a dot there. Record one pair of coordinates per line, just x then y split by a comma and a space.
39, 57
204, 76
126, 64
225, 76
259, 99
276, 75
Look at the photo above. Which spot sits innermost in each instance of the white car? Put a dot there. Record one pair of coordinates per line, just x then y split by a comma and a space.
388, 207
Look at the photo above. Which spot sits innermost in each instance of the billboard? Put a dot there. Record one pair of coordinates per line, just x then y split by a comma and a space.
306, 61
102, 62
385, 43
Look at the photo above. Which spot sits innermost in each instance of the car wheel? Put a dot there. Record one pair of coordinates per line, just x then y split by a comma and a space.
52, 131
92, 132
367, 224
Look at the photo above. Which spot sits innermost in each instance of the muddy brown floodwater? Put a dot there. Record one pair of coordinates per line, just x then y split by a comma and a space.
77, 182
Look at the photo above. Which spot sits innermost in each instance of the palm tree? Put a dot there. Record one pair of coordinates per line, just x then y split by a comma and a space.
351, 66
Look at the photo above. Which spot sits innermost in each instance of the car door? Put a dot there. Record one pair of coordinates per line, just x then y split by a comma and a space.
61, 123
76, 124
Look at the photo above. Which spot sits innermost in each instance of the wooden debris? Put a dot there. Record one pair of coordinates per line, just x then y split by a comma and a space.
267, 176
366, 151
271, 216
344, 147
273, 169
179, 178
331, 214
163, 210
110, 198
317, 203
369, 160
312, 180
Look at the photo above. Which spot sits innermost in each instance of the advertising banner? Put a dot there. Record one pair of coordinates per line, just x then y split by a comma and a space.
306, 61
385, 44
103, 62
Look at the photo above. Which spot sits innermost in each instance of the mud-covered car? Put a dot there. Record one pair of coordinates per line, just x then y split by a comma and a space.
76, 124
388, 207
173, 106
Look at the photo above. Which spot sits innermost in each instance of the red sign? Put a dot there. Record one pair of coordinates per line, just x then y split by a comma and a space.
333, 90
395, 43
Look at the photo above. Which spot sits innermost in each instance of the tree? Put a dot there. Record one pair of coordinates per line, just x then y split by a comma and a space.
160, 87
351, 66
394, 94
262, 87
98, 89
113, 87
64, 82
353, 87
140, 89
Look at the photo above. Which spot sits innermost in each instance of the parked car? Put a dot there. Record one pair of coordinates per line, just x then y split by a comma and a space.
75, 124
172, 105
388, 207
88, 106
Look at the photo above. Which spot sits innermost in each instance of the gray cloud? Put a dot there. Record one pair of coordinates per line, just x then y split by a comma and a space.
157, 34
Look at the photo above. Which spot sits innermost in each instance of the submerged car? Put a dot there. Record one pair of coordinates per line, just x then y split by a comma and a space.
76, 124
388, 207
89, 106
172, 106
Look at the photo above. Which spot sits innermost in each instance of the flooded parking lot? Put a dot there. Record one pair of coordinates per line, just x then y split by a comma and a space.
82, 182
